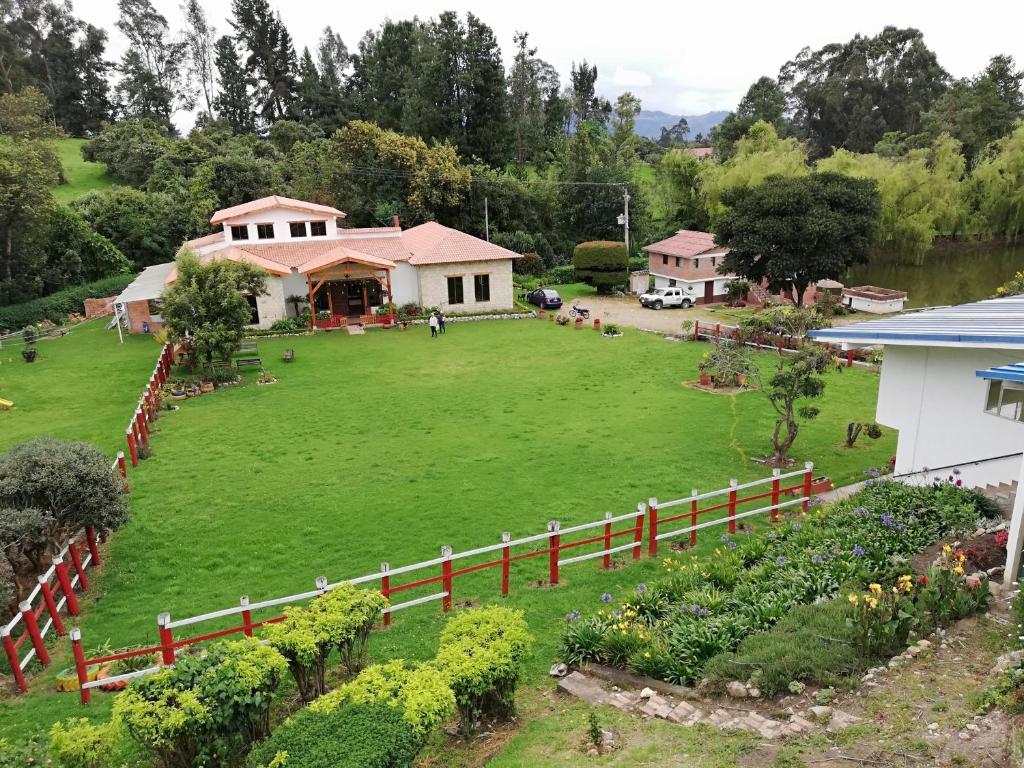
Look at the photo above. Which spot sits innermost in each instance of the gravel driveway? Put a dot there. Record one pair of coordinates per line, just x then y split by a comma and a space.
626, 311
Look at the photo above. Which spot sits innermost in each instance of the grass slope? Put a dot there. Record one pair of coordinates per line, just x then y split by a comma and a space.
386, 446
80, 176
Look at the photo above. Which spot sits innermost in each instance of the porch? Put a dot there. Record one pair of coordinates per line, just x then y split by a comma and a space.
350, 289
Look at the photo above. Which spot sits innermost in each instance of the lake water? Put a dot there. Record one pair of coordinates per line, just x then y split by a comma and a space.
947, 275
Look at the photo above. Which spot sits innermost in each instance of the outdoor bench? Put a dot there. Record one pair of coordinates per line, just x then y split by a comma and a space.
248, 361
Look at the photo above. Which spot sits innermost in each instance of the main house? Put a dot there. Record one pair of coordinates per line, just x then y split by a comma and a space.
953, 385
346, 274
689, 260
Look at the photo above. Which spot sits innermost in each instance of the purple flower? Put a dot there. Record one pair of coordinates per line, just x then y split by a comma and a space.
572, 616
817, 559
724, 537
641, 588
731, 545
797, 526
772, 536
606, 597
617, 613
780, 560
858, 550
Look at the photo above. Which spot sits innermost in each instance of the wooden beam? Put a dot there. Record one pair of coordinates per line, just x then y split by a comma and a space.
312, 303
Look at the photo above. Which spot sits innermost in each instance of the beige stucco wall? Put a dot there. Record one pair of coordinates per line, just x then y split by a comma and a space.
271, 305
433, 279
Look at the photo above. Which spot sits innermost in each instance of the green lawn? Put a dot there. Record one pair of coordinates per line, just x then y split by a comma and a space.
388, 445
80, 176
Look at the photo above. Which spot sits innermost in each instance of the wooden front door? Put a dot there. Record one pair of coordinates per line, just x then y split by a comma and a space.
339, 298
354, 298
709, 291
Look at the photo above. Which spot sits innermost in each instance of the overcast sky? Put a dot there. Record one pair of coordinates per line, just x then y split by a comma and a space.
680, 58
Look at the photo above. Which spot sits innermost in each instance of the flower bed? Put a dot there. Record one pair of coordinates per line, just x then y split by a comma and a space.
707, 606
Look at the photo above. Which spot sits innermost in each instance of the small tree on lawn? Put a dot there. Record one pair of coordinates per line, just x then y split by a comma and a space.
602, 264
795, 378
795, 231
736, 291
782, 321
206, 306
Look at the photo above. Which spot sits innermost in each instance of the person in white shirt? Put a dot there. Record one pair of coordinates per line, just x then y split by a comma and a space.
433, 324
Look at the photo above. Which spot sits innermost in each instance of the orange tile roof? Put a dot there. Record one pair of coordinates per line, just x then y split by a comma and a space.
341, 254
274, 201
433, 243
687, 243
210, 239
236, 255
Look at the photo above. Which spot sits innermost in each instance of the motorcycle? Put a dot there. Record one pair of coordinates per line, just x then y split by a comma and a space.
584, 313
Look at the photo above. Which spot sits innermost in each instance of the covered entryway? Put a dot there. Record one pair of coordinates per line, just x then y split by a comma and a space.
346, 286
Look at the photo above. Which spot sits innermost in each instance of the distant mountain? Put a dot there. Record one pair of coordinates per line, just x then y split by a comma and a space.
650, 122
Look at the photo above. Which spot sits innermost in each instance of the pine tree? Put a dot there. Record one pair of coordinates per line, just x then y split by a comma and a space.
232, 103
526, 100
485, 107
271, 61
310, 89
96, 106
381, 71
200, 36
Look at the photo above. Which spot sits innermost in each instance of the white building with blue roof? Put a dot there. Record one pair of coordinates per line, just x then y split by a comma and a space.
952, 383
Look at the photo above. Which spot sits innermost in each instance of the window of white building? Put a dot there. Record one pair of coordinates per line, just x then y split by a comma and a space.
1006, 400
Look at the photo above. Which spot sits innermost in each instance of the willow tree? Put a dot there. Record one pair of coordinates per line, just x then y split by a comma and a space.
997, 188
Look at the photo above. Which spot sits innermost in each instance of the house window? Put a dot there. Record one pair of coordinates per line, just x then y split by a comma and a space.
455, 290
664, 260
318, 228
679, 262
714, 261
671, 283
240, 232
696, 263
265, 231
482, 287
254, 310
1005, 399
297, 228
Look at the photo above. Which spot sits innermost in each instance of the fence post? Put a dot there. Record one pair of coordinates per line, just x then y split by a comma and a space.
80, 668
506, 561
638, 536
131, 446
553, 539
90, 539
718, 332
849, 358
808, 480
76, 561
732, 505
246, 616
652, 527
51, 604
385, 589
140, 420
693, 516
607, 540
12, 659
775, 494
446, 578
65, 584
29, 617
166, 639
696, 330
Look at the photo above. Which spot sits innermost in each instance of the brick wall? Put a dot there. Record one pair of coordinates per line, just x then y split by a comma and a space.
687, 269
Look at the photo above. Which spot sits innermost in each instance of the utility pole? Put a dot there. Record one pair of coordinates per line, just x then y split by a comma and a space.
487, 222
625, 218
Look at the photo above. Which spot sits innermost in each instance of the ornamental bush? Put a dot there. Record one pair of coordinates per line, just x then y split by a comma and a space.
213, 703
353, 736
351, 613
79, 743
57, 306
420, 692
481, 656
602, 264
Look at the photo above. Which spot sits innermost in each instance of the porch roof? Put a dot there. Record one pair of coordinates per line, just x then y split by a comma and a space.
1014, 372
342, 255
239, 257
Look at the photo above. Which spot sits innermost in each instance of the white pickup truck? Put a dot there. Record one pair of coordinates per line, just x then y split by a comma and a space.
666, 297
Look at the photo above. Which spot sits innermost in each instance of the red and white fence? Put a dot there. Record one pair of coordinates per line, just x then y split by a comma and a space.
559, 546
780, 343
56, 588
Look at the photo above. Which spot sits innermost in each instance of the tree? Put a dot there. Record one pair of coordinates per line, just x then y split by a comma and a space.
200, 36
680, 183
271, 63
623, 121
153, 82
526, 101
675, 134
96, 106
602, 264
792, 232
205, 305
795, 379
847, 95
232, 104
764, 101
583, 99
129, 149
996, 188
486, 132
381, 71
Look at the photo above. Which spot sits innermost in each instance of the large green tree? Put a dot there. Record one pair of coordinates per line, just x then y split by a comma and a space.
996, 189
764, 101
792, 232
232, 103
271, 63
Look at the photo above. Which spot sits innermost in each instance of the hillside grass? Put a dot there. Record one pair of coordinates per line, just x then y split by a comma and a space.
386, 446
80, 176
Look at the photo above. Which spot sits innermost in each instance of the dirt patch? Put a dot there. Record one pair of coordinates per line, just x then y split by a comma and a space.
982, 553
717, 390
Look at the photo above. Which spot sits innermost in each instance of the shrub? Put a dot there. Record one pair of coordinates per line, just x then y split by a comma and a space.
872, 430
57, 306
288, 324
481, 656
726, 363
351, 612
736, 291
602, 264
419, 691
560, 275
354, 736
79, 743
214, 703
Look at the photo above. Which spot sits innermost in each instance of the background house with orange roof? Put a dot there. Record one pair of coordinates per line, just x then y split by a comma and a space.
689, 260
347, 275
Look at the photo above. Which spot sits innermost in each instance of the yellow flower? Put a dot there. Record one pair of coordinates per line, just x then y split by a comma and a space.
947, 549
647, 654
875, 588
871, 601
853, 599
959, 571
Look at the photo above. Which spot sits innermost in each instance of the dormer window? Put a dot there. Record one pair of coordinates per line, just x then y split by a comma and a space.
297, 228
265, 231
696, 263
318, 228
239, 232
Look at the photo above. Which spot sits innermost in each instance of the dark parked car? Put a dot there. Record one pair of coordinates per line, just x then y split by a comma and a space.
545, 298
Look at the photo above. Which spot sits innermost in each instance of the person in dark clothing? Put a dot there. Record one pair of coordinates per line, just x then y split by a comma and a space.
440, 321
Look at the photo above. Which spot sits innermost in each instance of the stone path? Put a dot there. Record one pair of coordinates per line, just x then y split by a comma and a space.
649, 703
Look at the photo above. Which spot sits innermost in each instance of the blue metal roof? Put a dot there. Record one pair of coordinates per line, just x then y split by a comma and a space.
990, 323
1013, 372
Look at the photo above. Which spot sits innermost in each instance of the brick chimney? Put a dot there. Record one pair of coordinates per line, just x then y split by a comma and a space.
395, 222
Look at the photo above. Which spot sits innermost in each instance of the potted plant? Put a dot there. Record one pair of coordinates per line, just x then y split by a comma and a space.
178, 390
192, 390
29, 354
29, 336
207, 386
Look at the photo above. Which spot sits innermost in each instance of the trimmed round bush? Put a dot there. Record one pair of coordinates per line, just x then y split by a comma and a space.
354, 736
602, 264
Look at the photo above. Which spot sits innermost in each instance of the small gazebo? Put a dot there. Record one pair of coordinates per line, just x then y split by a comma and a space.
352, 282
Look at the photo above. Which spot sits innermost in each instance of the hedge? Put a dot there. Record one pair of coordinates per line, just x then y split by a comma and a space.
354, 736
601, 263
57, 306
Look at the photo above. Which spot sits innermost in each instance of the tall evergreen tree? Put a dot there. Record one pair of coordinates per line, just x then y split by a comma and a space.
333, 61
526, 101
585, 103
310, 106
232, 103
271, 61
200, 36
381, 70
485, 110
96, 106
434, 93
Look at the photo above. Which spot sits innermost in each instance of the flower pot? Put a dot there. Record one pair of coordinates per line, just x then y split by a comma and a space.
705, 379
542, 314
29, 354
206, 387
178, 394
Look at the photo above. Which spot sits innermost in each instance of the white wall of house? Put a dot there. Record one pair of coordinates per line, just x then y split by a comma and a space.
433, 282
932, 396
271, 306
405, 284
280, 218
294, 285
693, 288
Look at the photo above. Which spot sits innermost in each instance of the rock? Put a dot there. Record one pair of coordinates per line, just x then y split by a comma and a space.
682, 712
820, 713
913, 651
996, 571
623, 700
1006, 661
721, 717
593, 752
583, 687
736, 689
655, 706
559, 670
754, 693
841, 720
924, 643
973, 727
800, 723
933, 726
646, 693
